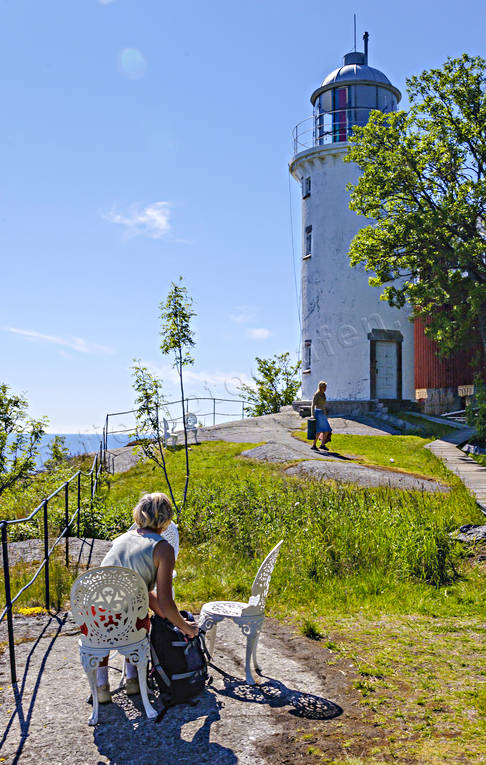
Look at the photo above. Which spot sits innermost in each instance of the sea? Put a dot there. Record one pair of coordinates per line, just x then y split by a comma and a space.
79, 443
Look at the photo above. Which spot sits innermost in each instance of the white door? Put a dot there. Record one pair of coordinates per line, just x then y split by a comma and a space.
386, 369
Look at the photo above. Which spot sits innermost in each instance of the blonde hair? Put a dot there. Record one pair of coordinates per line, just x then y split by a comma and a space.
153, 511
322, 382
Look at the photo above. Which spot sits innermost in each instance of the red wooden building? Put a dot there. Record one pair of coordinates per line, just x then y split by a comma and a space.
444, 383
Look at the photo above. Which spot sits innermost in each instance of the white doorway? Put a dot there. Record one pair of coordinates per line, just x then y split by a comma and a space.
386, 369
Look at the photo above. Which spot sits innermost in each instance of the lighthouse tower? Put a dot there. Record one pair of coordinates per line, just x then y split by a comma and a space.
350, 338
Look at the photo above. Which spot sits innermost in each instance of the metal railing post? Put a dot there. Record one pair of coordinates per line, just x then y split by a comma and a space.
214, 411
46, 555
8, 603
79, 501
91, 488
66, 520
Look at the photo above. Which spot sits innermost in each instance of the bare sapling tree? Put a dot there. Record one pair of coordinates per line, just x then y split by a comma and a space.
149, 403
177, 340
19, 439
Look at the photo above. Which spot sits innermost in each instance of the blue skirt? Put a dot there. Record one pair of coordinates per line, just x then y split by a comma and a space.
322, 423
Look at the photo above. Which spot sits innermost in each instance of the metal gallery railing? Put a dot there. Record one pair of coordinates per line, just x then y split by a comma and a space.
74, 483
334, 126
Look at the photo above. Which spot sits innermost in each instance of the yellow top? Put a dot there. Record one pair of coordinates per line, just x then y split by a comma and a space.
318, 402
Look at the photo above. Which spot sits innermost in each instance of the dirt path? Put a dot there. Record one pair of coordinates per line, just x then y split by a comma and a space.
300, 696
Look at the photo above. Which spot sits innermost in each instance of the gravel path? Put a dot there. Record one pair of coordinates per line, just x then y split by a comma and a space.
45, 719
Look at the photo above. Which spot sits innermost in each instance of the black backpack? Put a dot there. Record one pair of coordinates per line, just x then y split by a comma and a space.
179, 664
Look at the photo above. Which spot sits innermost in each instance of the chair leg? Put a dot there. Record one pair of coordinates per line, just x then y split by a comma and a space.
211, 639
94, 695
142, 681
250, 643
254, 652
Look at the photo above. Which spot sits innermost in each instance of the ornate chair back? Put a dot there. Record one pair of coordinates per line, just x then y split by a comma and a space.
191, 421
261, 583
171, 534
110, 605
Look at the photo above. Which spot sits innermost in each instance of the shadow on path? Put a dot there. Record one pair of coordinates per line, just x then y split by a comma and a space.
137, 740
25, 717
277, 695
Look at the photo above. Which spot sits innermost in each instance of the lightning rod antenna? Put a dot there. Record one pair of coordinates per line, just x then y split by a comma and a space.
354, 32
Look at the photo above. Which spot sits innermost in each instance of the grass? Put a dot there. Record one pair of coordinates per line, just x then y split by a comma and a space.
371, 575
422, 682
33, 599
346, 548
479, 458
427, 428
24, 497
310, 629
408, 453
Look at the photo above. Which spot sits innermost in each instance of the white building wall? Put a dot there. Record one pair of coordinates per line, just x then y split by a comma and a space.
339, 308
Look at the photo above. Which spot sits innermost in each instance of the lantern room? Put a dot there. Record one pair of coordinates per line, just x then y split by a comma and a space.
348, 95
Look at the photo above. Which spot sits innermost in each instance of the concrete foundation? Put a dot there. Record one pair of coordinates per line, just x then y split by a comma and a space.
439, 400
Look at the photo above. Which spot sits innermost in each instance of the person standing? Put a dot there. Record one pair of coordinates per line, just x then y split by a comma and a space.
318, 410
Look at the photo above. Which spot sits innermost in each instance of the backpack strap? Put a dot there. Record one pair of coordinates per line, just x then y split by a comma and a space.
185, 675
202, 643
156, 664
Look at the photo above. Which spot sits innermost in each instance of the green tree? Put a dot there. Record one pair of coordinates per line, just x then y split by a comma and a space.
19, 439
58, 453
178, 340
149, 409
275, 384
423, 184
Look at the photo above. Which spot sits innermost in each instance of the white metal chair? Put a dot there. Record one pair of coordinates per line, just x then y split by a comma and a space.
110, 606
191, 424
169, 435
248, 616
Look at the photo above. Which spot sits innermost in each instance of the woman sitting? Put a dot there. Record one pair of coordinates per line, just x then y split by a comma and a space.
144, 550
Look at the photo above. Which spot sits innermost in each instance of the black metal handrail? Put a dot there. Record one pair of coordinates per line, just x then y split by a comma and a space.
93, 475
97, 466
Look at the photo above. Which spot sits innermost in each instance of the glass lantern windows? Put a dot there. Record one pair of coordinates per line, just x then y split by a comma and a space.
340, 114
339, 108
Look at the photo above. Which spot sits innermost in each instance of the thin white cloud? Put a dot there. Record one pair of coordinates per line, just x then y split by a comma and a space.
259, 333
77, 344
106, 2
243, 314
152, 221
227, 382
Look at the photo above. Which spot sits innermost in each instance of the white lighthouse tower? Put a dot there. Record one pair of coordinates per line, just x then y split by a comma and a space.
350, 338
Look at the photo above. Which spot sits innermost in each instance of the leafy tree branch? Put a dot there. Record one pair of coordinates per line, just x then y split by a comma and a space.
19, 439
275, 385
423, 186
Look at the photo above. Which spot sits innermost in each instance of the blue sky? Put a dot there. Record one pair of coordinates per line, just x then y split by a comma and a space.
142, 140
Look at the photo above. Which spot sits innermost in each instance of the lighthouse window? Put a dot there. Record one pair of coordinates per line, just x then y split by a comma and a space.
306, 187
308, 242
307, 355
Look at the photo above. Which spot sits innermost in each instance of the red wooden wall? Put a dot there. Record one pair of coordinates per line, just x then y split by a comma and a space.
431, 371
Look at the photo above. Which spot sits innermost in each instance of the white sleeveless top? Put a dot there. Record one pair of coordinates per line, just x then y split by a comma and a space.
136, 551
